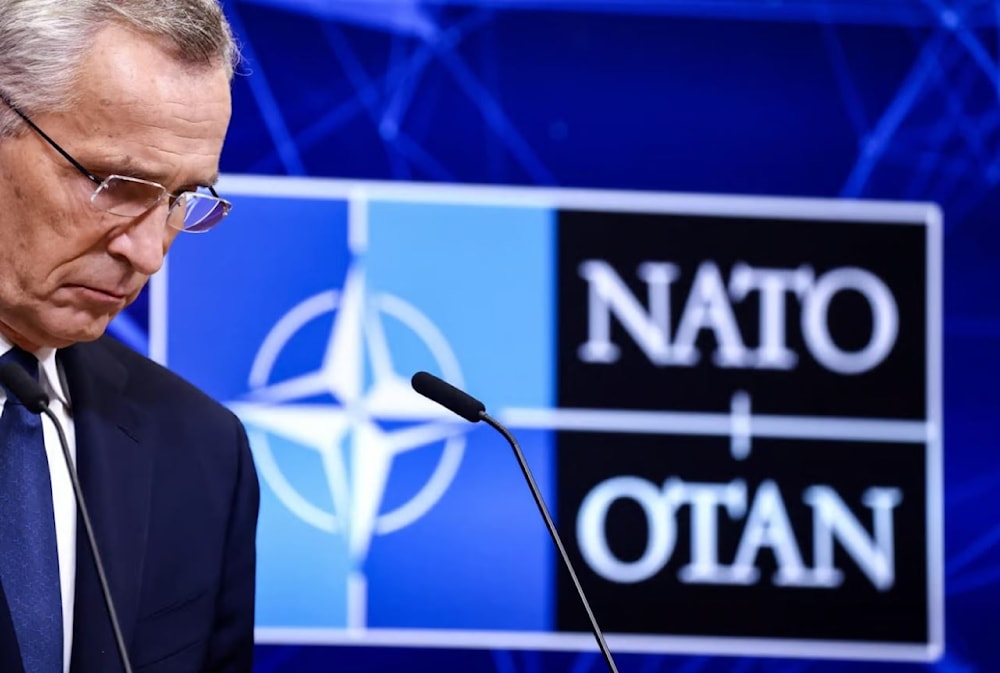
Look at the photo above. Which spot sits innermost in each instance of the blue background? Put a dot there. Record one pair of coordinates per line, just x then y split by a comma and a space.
892, 99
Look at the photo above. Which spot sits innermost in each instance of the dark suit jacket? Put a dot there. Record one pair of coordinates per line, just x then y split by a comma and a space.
171, 488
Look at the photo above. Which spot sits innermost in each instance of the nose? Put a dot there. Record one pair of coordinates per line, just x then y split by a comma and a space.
144, 240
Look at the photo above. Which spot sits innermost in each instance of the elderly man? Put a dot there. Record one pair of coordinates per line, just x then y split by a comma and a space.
112, 119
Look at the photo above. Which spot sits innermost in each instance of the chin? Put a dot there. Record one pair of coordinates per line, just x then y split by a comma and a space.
67, 335
56, 327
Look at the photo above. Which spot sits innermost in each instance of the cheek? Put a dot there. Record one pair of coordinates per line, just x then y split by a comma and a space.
19, 222
39, 238
31, 220
18, 213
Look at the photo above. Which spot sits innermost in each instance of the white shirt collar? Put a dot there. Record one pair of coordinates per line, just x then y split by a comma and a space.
48, 370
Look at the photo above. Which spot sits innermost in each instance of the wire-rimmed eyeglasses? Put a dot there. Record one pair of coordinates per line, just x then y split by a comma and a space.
192, 211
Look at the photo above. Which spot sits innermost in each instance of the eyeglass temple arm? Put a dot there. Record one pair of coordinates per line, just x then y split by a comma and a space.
50, 141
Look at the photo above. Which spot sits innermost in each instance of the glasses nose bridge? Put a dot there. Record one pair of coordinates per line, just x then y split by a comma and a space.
163, 195
176, 210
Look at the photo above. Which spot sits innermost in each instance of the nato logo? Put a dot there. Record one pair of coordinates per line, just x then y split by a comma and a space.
381, 514
386, 520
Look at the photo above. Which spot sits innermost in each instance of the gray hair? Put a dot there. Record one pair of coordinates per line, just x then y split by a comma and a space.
42, 40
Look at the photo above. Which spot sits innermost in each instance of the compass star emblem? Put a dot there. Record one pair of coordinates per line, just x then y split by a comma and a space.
372, 417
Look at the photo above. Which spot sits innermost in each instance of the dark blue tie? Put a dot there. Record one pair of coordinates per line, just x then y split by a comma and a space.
29, 560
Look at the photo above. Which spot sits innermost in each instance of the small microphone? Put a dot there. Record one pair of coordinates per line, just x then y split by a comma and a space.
27, 390
23, 387
448, 396
468, 407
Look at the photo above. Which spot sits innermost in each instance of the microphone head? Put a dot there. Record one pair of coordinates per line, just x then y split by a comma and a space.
448, 396
21, 385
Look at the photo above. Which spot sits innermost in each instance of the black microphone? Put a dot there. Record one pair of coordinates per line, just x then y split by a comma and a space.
468, 407
30, 393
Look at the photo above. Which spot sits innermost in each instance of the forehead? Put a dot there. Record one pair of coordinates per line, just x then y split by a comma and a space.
133, 99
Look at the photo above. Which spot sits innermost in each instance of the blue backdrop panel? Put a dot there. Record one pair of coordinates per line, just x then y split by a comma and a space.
890, 100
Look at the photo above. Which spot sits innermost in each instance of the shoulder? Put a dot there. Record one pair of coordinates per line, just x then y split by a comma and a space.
190, 435
109, 377
146, 382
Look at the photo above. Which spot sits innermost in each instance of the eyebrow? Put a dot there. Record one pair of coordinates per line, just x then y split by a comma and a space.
128, 167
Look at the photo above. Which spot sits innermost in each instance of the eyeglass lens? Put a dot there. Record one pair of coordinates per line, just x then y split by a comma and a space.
130, 197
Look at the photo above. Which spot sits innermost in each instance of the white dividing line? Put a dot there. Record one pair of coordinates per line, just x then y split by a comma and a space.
624, 643
158, 315
720, 424
357, 602
676, 203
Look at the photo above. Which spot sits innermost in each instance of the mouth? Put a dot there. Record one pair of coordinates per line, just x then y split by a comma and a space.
99, 294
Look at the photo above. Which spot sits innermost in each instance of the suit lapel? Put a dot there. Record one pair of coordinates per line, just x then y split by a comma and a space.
115, 470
